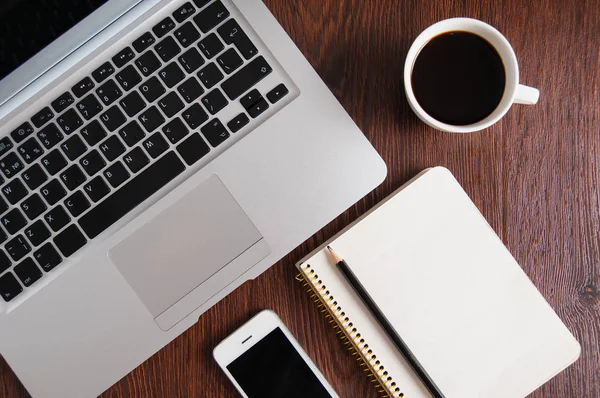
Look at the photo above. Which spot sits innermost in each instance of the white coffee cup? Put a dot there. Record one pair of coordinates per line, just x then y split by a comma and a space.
513, 91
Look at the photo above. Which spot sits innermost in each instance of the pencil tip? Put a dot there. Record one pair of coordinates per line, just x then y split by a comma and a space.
335, 256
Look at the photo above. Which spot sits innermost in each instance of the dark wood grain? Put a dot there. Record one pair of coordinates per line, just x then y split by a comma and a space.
535, 176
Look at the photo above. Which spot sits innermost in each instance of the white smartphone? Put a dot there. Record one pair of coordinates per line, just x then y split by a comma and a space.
262, 359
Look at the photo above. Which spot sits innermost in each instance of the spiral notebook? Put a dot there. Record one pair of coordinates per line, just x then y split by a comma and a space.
452, 291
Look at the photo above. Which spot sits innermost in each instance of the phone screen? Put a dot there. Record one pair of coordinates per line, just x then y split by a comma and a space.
273, 368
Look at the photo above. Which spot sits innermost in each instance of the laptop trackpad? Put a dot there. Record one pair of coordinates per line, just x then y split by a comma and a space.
189, 252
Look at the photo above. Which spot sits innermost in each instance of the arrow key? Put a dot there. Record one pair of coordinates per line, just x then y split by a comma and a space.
277, 93
238, 122
258, 108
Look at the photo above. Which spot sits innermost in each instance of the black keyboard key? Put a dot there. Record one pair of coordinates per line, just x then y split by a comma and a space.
156, 145
11, 165
170, 104
171, 74
258, 108
230, 30
14, 191
37, 233
210, 75
83, 87
109, 92
277, 93
140, 188
54, 162
57, 218
42, 117
136, 160
21, 132
232, 33
215, 132
62, 102
201, 3
74, 147
47, 257
184, 12
73, 177
97, 188
112, 148
33, 206
211, 16
214, 101
103, 72
151, 119
9, 287
143, 42
5, 145
89, 107
163, 27
175, 130
28, 272
34, 176
70, 240
53, 192
194, 116
30, 150
4, 262
69, 121
128, 78
13, 221
250, 98
116, 174
50, 135
191, 60
152, 89
113, 118
229, 61
93, 133
238, 122
211, 45
148, 63
187, 34
17, 248
132, 133
167, 49
123, 57
3, 236
193, 149
92, 162
190, 90
77, 204
246, 78
133, 104
3, 206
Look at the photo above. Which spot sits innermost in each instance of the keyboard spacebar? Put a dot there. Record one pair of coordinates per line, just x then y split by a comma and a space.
132, 194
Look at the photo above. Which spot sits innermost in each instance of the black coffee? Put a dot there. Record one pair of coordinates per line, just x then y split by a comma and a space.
458, 78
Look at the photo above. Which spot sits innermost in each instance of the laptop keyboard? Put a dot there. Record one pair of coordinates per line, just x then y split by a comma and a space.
100, 149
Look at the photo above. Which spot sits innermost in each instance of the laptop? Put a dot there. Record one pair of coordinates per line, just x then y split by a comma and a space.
154, 155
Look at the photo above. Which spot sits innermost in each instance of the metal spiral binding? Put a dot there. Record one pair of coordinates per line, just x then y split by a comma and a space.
348, 333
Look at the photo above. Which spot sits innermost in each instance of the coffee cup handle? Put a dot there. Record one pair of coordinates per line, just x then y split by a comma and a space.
526, 95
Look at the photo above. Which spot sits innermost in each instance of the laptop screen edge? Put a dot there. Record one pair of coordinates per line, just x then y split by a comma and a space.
60, 48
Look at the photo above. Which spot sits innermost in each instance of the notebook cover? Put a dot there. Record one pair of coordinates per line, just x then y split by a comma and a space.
453, 292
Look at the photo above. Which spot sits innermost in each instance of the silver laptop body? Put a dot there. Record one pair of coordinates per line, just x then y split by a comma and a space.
144, 223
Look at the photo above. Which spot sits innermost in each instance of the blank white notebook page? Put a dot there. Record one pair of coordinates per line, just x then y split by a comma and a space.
453, 292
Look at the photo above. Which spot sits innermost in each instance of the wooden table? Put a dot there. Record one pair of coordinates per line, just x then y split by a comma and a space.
534, 175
